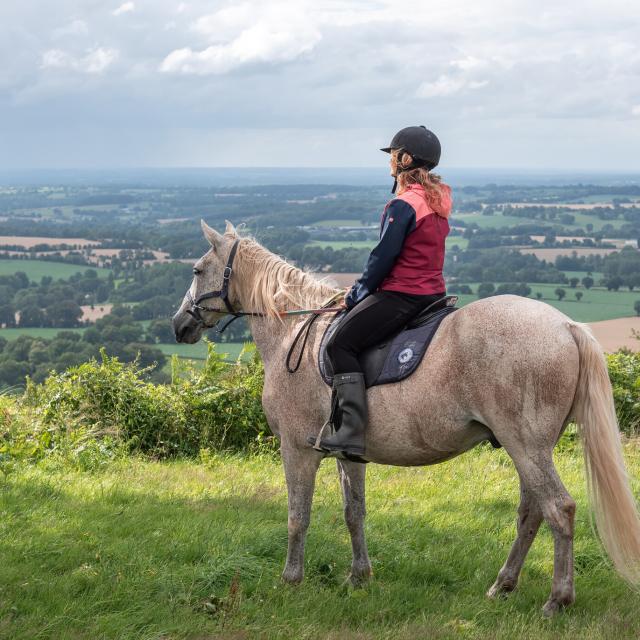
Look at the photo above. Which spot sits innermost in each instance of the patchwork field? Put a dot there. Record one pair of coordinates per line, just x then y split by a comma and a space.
618, 333
194, 550
461, 242
37, 269
31, 241
497, 221
550, 254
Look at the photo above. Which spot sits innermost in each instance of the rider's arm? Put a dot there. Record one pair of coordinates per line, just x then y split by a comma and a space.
399, 220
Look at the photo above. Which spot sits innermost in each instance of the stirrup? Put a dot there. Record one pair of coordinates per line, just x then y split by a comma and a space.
316, 442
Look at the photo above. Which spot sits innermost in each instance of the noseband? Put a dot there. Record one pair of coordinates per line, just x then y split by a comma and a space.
196, 306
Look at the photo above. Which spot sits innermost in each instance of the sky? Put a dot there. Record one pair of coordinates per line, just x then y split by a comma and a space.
305, 83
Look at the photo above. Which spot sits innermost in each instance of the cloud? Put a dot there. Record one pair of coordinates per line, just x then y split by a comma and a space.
327, 66
446, 86
95, 61
126, 7
74, 28
276, 34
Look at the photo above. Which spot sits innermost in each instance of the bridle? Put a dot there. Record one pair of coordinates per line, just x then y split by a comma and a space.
223, 293
196, 307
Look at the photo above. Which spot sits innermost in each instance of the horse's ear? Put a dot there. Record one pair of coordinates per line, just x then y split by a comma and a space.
212, 236
230, 230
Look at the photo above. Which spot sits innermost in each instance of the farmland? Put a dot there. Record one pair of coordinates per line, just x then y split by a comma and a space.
38, 269
141, 233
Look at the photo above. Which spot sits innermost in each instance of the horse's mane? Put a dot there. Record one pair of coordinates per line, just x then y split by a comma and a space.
270, 284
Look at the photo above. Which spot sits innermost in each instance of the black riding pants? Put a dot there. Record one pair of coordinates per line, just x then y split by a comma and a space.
371, 321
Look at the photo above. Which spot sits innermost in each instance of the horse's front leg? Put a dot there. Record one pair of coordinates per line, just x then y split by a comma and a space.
300, 468
352, 479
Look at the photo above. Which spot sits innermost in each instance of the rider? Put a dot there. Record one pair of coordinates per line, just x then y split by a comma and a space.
403, 275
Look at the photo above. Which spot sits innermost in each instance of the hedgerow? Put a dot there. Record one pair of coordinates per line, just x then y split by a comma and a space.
110, 402
105, 408
624, 372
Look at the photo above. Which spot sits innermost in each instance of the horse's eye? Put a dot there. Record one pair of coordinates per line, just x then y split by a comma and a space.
196, 271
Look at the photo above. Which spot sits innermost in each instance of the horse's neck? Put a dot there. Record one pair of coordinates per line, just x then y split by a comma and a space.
269, 336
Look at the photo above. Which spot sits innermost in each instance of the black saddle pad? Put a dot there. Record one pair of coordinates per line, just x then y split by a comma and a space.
399, 355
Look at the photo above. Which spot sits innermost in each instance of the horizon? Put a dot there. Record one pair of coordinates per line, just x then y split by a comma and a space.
374, 177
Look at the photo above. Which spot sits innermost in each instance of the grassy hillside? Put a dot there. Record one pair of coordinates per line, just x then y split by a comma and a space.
137, 549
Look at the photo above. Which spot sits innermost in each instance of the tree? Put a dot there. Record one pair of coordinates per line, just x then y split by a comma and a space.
161, 331
539, 295
613, 283
636, 307
573, 282
587, 282
560, 292
485, 289
578, 295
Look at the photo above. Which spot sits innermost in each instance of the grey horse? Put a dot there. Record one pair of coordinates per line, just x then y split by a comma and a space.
506, 365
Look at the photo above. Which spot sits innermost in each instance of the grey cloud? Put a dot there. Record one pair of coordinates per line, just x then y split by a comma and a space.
208, 71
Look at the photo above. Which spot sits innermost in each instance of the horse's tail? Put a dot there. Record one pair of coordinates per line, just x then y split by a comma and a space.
608, 486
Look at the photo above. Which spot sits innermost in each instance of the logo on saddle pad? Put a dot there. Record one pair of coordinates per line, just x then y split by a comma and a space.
405, 355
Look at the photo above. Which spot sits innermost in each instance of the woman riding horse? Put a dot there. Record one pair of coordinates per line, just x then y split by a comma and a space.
403, 275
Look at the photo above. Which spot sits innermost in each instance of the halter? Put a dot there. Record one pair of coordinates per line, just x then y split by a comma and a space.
223, 293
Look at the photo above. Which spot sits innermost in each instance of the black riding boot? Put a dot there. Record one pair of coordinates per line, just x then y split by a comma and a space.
352, 405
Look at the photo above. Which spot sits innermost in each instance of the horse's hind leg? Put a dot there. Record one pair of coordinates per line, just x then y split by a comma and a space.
300, 468
352, 479
529, 519
538, 475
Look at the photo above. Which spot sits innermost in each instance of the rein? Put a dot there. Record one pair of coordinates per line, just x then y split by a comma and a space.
223, 293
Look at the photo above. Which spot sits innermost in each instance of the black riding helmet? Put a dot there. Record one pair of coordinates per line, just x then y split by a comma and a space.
420, 143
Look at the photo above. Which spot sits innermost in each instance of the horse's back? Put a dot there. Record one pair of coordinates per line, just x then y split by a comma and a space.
500, 362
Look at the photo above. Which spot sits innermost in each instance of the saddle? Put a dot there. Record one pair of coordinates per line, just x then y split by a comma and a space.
399, 355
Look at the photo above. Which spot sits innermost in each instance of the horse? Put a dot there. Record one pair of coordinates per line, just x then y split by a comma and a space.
506, 366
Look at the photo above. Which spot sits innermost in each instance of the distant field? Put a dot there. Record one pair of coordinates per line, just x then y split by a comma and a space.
498, 221
596, 304
31, 241
551, 253
48, 333
198, 351
344, 222
344, 244
37, 269
369, 244
575, 206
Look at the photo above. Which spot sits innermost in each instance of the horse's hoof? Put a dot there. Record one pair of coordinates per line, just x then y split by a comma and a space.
359, 578
550, 608
292, 577
500, 590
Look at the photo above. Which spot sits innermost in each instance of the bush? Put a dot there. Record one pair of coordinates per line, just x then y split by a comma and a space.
624, 372
218, 407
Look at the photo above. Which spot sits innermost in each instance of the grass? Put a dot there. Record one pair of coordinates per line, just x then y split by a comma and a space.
343, 222
369, 244
597, 303
497, 221
198, 351
37, 269
143, 550
34, 332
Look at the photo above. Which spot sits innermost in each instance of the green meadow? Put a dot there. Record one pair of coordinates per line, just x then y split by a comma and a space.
369, 244
37, 269
134, 549
497, 220
198, 351
596, 304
